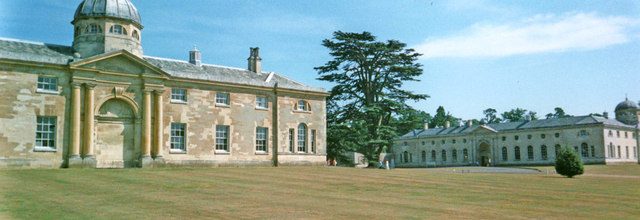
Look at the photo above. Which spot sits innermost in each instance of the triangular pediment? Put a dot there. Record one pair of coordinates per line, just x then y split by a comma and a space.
119, 62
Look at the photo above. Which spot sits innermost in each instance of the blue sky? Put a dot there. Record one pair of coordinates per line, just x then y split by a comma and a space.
583, 56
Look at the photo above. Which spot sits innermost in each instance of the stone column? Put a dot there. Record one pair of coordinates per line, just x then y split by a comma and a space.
145, 155
157, 151
74, 158
89, 105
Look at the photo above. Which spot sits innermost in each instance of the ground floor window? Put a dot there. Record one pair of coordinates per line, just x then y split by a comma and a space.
433, 155
465, 154
302, 138
222, 138
504, 153
313, 141
454, 155
178, 137
46, 132
424, 156
406, 157
619, 152
261, 139
611, 154
557, 147
585, 150
516, 153
543, 152
627, 152
530, 152
635, 153
291, 140
444, 155
593, 151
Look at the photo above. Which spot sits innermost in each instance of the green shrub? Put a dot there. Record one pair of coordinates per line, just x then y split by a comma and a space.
568, 163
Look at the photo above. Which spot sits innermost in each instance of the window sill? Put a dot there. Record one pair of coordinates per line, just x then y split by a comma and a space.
48, 92
262, 109
173, 151
222, 152
44, 149
223, 105
262, 153
300, 111
178, 102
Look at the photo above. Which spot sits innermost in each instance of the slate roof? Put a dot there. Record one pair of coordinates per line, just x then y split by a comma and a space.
514, 126
63, 55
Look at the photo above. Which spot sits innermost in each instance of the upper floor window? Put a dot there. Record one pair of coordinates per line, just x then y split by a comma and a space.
135, 35
261, 102
118, 29
178, 95
261, 139
583, 133
46, 132
543, 136
626, 134
557, 135
618, 133
529, 136
464, 140
453, 141
610, 133
516, 137
94, 28
222, 98
47, 84
178, 137
302, 105
504, 138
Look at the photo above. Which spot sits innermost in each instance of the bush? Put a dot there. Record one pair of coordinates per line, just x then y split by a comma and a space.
568, 163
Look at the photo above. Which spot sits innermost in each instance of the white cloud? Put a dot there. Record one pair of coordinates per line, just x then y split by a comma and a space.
539, 34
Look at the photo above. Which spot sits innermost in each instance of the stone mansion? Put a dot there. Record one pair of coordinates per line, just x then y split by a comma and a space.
599, 140
102, 103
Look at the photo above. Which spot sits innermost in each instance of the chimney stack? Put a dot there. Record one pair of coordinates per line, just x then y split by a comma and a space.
605, 115
255, 62
426, 126
194, 56
447, 124
470, 123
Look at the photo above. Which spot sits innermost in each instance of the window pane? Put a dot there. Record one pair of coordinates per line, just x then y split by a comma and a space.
47, 83
222, 98
45, 131
261, 139
302, 138
261, 102
178, 136
222, 137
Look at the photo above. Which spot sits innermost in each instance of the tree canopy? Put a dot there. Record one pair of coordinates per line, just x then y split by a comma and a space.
518, 114
559, 113
368, 76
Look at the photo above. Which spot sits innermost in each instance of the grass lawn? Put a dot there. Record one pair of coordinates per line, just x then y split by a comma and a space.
310, 192
621, 169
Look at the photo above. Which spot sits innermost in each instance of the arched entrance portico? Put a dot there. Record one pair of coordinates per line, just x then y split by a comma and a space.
115, 135
484, 154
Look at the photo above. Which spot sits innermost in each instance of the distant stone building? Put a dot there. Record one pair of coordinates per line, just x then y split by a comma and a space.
599, 140
102, 103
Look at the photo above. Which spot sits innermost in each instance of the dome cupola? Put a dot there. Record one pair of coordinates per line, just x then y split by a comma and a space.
103, 26
628, 112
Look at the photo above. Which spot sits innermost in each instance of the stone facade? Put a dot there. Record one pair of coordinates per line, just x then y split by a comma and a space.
598, 140
117, 108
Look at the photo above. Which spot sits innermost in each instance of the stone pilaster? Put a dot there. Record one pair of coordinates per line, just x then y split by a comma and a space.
74, 157
157, 151
89, 105
145, 155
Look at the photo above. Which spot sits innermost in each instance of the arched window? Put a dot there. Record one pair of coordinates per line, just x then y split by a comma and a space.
585, 150
454, 155
543, 152
619, 152
118, 29
424, 156
406, 157
504, 154
433, 155
444, 155
465, 154
557, 147
611, 153
530, 152
302, 138
135, 35
516, 152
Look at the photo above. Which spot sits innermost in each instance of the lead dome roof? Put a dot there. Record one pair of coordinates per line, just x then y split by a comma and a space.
626, 105
122, 9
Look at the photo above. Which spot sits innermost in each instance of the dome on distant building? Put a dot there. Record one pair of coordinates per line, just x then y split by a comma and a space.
626, 105
122, 9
